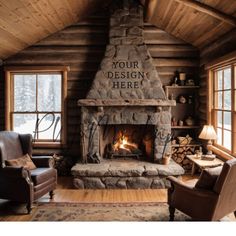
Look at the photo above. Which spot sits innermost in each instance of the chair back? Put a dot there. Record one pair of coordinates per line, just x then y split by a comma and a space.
225, 186
10, 146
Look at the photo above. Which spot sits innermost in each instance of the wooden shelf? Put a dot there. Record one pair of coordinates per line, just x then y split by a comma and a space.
188, 145
183, 87
185, 127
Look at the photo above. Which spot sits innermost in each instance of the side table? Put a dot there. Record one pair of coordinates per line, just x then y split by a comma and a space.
202, 164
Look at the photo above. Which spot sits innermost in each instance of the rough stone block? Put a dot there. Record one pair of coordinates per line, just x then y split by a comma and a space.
136, 31
171, 169
106, 63
116, 41
158, 93
166, 119
114, 94
141, 118
138, 183
158, 183
117, 32
131, 21
93, 183
122, 52
124, 171
114, 21
78, 183
110, 182
110, 51
150, 170
132, 40
143, 52
121, 184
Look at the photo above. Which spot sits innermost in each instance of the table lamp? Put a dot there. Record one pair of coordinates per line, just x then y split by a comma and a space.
209, 134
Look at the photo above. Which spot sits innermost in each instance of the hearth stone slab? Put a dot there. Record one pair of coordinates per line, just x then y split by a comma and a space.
124, 174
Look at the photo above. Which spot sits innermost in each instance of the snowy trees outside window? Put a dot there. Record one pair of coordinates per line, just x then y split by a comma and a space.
38, 105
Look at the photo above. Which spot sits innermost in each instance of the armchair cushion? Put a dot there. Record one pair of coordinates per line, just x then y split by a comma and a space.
41, 175
208, 178
43, 161
24, 161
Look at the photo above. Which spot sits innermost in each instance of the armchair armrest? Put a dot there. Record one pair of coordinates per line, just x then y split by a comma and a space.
191, 190
43, 161
14, 172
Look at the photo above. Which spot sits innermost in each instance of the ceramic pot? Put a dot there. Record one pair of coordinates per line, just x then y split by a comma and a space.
189, 121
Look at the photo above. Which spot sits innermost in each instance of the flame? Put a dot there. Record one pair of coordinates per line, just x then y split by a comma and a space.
123, 143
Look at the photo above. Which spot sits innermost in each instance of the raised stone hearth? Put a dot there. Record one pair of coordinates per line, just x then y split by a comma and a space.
124, 174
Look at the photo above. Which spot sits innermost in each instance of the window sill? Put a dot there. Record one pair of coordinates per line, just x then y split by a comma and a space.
49, 145
224, 155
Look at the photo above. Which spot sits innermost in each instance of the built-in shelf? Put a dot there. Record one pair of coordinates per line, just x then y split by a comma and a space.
185, 127
187, 145
183, 87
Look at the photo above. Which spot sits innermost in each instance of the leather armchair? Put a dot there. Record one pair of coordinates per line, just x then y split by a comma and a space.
205, 204
17, 183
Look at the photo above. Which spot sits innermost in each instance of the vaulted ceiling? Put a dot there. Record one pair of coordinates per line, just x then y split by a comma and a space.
198, 22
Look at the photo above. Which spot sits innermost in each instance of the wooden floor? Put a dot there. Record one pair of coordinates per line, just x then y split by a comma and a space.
66, 193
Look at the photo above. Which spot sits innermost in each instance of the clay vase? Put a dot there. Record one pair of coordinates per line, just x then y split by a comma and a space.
166, 159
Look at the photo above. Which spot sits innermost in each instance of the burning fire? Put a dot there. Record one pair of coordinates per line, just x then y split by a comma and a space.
123, 143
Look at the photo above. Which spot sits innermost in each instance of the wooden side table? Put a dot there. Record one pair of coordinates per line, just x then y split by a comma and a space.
202, 164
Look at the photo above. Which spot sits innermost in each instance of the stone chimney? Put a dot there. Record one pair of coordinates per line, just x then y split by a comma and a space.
127, 70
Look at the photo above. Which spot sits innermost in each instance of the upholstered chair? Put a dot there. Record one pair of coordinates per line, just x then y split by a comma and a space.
24, 178
209, 198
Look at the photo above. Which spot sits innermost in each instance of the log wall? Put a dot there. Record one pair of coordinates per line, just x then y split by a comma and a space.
81, 46
2, 84
219, 48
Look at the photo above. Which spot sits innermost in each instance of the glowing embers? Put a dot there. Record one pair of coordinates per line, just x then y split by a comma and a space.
123, 146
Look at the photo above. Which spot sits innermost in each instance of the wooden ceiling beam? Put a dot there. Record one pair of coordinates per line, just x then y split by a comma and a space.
209, 10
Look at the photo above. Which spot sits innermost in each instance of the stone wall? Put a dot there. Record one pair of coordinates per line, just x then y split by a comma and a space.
127, 70
126, 73
92, 118
124, 174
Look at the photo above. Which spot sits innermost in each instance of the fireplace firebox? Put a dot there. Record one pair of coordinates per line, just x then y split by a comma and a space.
127, 141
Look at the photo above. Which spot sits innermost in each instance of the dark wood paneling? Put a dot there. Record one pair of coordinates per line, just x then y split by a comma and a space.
81, 46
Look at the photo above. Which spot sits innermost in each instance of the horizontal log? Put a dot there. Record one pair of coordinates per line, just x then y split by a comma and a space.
175, 62
63, 49
68, 59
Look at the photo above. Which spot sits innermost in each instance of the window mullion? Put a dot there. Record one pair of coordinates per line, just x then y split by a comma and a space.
37, 105
233, 108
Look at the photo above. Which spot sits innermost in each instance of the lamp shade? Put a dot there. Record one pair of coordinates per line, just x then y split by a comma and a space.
208, 133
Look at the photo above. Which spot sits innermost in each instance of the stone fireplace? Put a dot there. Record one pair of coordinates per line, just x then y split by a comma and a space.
126, 116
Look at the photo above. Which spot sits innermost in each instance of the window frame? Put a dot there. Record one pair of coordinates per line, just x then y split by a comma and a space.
222, 63
9, 98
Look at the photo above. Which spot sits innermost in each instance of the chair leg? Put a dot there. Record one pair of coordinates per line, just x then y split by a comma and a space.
29, 207
172, 213
235, 214
51, 194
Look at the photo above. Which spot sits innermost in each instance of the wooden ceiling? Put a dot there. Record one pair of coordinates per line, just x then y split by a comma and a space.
198, 22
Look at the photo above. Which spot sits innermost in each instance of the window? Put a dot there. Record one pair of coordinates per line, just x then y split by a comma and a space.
36, 104
223, 112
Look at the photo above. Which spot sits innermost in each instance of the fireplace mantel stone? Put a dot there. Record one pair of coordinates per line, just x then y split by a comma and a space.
126, 102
